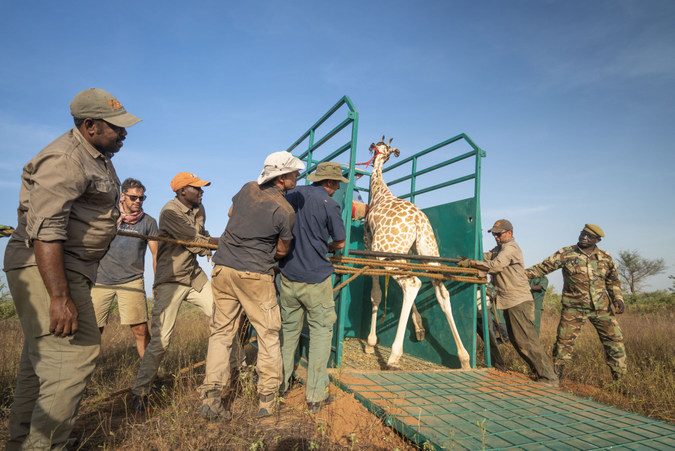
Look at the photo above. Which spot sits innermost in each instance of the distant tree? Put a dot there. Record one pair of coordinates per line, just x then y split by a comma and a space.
672, 288
634, 269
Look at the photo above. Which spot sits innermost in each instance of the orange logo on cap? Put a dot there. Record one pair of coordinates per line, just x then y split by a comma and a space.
115, 104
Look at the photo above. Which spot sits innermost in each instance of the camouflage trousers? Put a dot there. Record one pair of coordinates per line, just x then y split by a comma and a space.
572, 320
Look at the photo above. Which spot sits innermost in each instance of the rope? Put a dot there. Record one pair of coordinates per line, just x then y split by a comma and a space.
405, 265
167, 240
346, 282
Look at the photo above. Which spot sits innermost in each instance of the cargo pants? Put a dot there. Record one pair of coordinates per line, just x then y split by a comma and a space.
313, 301
572, 320
53, 371
233, 292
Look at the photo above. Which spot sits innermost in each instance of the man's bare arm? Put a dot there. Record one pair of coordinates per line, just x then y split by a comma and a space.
153, 245
283, 246
62, 311
336, 245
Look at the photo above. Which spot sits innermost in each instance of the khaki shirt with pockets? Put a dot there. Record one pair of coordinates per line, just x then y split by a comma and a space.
69, 193
506, 265
175, 262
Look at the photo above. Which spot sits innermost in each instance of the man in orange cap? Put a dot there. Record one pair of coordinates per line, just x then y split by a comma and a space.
178, 276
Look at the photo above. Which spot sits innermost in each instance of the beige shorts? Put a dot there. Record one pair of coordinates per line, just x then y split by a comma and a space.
131, 302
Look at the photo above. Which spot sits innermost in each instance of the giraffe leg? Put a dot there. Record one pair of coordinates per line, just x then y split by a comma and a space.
410, 287
375, 299
417, 321
444, 300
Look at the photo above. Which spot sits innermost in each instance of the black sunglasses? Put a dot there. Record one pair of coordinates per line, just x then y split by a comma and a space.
135, 198
498, 233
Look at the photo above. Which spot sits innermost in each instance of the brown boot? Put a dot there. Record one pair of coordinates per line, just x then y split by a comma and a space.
559, 369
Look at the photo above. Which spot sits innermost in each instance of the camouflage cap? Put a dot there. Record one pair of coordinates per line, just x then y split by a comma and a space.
502, 225
97, 103
327, 171
595, 230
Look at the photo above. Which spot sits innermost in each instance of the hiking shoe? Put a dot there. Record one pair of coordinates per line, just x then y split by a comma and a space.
315, 407
266, 405
212, 407
559, 371
141, 403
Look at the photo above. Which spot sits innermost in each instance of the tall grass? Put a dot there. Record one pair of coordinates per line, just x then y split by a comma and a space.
650, 351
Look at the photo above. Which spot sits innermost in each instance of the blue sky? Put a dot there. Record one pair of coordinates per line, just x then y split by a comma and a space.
573, 101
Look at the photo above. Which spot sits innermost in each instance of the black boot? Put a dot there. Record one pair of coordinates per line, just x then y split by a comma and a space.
559, 369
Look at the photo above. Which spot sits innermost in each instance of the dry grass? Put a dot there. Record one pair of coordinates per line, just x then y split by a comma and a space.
650, 358
107, 421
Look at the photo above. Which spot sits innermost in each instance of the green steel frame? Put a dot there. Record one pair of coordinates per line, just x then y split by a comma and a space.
346, 193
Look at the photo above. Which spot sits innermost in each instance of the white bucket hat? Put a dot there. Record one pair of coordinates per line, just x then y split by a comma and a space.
279, 163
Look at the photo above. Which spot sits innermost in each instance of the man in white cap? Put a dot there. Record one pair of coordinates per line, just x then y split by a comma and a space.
67, 217
258, 234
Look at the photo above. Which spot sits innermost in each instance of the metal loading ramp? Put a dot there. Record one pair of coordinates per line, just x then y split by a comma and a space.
486, 409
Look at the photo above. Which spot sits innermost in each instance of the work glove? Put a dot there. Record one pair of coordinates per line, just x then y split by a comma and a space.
619, 306
464, 263
5, 231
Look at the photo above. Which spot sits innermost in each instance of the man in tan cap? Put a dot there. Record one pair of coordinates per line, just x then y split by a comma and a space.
67, 217
506, 267
178, 276
591, 289
306, 288
258, 234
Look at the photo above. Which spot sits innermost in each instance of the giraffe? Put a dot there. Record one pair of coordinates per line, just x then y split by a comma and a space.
398, 226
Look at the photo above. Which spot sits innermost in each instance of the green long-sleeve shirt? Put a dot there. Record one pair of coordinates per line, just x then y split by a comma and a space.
589, 281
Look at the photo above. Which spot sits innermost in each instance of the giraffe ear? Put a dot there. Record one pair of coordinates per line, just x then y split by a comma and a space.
396, 152
372, 146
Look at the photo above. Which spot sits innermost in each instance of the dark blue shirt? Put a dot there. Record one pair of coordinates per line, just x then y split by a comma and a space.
317, 218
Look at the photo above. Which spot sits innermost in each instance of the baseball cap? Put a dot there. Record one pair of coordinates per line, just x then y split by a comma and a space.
183, 179
98, 103
327, 171
279, 163
502, 225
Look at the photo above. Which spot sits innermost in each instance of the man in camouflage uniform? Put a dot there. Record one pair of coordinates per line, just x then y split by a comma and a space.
591, 290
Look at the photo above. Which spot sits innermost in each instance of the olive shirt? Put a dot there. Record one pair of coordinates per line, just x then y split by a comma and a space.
69, 193
505, 264
260, 217
589, 281
176, 262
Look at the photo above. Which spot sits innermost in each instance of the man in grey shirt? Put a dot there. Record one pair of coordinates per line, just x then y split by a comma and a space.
120, 272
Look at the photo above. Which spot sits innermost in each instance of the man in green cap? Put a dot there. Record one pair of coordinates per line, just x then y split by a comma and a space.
306, 286
591, 289
67, 217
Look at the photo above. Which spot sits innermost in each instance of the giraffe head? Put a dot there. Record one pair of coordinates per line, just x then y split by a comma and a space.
385, 150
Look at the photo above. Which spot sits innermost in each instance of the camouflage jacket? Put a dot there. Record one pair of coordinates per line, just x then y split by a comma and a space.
590, 281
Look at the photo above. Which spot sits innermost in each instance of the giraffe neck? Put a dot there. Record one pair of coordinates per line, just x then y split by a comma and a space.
378, 189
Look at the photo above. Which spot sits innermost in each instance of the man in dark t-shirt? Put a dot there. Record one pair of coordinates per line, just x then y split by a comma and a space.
306, 286
258, 233
120, 272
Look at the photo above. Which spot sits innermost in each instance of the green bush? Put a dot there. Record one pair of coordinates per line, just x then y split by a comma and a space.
651, 302
7, 309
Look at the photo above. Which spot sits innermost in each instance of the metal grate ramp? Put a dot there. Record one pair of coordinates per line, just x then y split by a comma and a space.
485, 409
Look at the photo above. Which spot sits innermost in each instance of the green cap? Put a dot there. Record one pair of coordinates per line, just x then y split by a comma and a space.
327, 171
595, 230
97, 103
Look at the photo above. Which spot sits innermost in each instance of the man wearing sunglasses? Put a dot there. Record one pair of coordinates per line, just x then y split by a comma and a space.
67, 216
591, 289
120, 273
506, 267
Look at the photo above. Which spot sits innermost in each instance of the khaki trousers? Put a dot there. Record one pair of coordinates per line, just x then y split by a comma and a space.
255, 294
168, 298
53, 372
